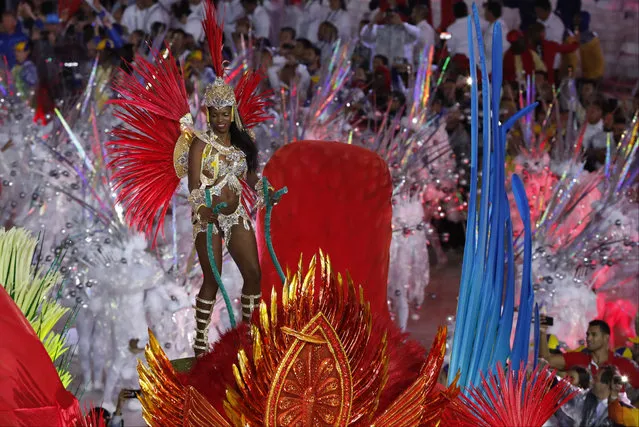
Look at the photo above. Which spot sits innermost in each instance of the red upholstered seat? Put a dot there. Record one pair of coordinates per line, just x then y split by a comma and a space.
339, 201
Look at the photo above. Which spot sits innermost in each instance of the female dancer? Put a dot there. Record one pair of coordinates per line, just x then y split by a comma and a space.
218, 159
159, 146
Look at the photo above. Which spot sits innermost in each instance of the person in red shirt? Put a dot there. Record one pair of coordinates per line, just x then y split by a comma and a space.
597, 355
518, 69
546, 49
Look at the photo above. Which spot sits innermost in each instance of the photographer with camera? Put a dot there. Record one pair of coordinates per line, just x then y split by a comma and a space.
389, 36
599, 406
597, 354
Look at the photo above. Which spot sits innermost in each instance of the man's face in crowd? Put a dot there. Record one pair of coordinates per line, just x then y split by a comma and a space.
598, 386
323, 32
117, 15
288, 74
596, 339
143, 4
587, 90
573, 377
395, 105
488, 16
593, 114
540, 79
299, 50
377, 62
249, 7
286, 51
417, 15
541, 13
9, 23
266, 59
177, 42
242, 26
136, 39
286, 38
22, 55
309, 56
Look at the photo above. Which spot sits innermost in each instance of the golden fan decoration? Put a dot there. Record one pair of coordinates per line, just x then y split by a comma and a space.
315, 359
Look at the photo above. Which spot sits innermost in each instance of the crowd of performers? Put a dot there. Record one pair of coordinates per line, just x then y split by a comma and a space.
102, 202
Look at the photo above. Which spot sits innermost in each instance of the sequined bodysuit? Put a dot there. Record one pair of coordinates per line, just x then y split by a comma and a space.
221, 167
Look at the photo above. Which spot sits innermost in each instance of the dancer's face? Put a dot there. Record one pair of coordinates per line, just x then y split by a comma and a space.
220, 119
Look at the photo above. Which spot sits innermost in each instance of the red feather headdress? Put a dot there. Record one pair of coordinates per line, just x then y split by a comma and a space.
152, 101
214, 38
251, 104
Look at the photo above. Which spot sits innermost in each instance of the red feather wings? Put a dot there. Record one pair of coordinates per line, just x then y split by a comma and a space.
152, 101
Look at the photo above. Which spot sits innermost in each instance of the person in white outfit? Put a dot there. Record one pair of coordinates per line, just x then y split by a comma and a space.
142, 15
193, 25
233, 11
187, 16
327, 37
287, 36
259, 18
594, 136
392, 39
291, 15
492, 14
339, 16
426, 37
309, 22
555, 28
157, 15
458, 30
315, 13
286, 74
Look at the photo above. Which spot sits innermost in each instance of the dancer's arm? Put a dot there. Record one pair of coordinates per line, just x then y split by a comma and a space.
196, 193
252, 179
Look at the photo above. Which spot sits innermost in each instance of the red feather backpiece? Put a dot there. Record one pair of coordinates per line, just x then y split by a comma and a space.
152, 101
513, 398
252, 104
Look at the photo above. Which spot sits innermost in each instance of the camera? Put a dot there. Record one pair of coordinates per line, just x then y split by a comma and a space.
547, 321
619, 379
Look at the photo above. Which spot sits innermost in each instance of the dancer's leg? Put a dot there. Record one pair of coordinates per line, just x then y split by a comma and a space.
243, 250
206, 297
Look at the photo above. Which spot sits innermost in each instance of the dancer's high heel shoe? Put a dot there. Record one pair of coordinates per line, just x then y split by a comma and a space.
202, 322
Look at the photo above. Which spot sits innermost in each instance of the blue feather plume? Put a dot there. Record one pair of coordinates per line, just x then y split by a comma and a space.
486, 305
